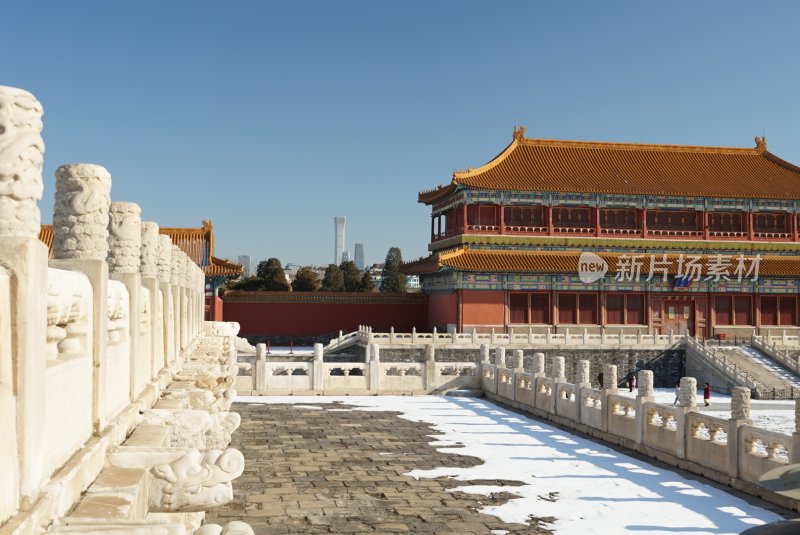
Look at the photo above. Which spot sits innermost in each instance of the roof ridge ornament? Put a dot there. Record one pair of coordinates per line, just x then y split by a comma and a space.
761, 143
519, 132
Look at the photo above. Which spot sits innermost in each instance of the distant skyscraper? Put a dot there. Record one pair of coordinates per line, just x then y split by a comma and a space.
359, 256
345, 256
338, 244
244, 259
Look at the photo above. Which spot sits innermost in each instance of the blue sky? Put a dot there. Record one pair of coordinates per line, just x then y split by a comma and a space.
272, 118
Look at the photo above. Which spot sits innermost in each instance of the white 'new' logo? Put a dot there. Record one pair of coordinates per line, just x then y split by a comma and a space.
591, 268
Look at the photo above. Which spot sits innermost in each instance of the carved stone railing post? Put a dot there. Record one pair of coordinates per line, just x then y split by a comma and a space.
794, 452
519, 360
430, 368
687, 402
644, 394
175, 289
149, 271
318, 383
609, 387
80, 243
582, 379
21, 252
260, 373
167, 311
500, 357
374, 363
538, 365
125, 243
740, 415
557, 369
484, 353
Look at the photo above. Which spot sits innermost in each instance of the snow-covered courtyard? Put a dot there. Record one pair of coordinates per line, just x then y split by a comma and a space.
584, 486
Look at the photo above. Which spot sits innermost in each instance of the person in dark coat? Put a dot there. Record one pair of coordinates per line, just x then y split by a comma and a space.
629, 380
707, 393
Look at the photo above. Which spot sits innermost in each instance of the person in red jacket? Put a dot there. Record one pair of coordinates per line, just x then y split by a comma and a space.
706, 393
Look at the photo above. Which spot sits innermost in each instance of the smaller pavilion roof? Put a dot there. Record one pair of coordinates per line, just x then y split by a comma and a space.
516, 261
198, 243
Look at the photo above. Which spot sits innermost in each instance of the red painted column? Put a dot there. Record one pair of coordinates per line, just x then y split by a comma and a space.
794, 226
433, 218
549, 220
750, 232
705, 224
597, 221
439, 225
644, 222
466, 223
502, 219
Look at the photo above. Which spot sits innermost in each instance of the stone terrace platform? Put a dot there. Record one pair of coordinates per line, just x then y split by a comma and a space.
323, 471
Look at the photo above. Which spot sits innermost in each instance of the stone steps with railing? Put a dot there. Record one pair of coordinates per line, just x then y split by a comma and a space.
365, 336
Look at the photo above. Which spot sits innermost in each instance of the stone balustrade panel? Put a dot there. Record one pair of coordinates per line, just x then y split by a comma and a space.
118, 349
760, 451
68, 378
592, 406
345, 377
568, 401
505, 383
449, 375
660, 427
621, 416
707, 441
545, 394
406, 376
489, 378
9, 468
524, 389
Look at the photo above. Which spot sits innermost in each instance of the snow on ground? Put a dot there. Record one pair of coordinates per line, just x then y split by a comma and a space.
585, 486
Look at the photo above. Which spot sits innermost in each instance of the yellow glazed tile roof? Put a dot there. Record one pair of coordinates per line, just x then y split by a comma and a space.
494, 261
630, 168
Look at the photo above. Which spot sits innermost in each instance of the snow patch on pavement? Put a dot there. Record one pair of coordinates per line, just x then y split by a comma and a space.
581, 484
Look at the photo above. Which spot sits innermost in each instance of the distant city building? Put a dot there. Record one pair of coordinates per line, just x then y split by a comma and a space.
338, 244
412, 282
245, 261
359, 256
346, 256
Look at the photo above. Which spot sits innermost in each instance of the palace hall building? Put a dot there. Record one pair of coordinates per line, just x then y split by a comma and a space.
616, 236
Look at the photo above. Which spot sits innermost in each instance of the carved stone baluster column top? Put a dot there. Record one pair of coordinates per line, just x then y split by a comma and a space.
557, 368
21, 158
582, 373
164, 264
81, 212
687, 396
740, 403
538, 363
124, 237
644, 383
175, 266
150, 250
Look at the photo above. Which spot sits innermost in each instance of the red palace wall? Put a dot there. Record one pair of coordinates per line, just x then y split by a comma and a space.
315, 314
483, 307
442, 310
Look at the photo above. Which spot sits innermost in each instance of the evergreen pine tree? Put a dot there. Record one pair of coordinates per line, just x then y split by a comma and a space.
367, 284
333, 281
393, 280
306, 280
271, 272
352, 276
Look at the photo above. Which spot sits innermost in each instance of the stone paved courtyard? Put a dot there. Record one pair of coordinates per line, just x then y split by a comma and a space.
323, 471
